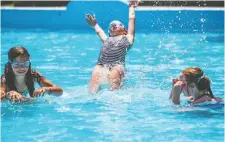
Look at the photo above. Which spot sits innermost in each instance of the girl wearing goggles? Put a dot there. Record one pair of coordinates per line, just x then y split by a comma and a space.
195, 85
17, 82
111, 62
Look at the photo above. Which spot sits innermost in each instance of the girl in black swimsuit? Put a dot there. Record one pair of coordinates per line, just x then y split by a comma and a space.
18, 79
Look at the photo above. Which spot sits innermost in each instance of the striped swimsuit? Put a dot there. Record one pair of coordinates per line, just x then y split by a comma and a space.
113, 51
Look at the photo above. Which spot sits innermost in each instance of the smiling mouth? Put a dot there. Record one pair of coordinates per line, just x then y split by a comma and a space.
21, 71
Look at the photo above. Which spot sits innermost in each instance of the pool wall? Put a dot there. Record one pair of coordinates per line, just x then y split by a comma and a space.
73, 17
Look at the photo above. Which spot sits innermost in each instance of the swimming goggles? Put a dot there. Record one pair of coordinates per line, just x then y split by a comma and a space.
20, 64
200, 78
114, 25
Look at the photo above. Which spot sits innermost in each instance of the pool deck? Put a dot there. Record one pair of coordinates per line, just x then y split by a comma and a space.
147, 8
141, 8
149, 18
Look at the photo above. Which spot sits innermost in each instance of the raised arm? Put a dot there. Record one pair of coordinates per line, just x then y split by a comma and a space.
176, 91
91, 20
131, 23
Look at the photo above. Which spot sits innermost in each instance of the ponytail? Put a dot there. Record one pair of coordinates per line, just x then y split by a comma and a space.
203, 83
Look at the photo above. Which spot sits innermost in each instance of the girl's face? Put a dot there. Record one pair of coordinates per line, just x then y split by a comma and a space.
190, 89
20, 65
117, 30
182, 78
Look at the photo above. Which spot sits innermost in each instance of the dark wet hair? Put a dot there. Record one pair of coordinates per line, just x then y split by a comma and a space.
9, 74
196, 75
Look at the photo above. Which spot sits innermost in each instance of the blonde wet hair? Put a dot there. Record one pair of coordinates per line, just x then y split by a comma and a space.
197, 76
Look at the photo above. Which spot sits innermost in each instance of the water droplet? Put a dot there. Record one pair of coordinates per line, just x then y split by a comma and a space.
202, 20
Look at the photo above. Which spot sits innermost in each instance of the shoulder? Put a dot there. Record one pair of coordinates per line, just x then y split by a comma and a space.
35, 73
130, 38
37, 76
3, 79
107, 38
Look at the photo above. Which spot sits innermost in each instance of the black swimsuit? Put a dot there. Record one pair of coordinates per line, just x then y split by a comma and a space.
37, 77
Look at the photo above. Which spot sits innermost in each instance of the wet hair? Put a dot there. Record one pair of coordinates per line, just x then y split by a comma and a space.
9, 74
116, 23
124, 33
196, 75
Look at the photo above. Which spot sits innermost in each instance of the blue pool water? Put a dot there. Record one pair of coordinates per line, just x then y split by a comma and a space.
139, 111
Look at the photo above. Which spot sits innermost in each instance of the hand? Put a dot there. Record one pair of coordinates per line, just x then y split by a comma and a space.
190, 98
179, 84
176, 91
174, 81
3, 94
13, 96
40, 91
134, 3
91, 20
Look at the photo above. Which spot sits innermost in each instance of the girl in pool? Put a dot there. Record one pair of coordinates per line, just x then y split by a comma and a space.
195, 85
111, 62
17, 82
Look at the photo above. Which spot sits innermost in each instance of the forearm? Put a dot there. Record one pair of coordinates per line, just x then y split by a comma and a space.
51, 88
3, 92
131, 23
100, 32
97, 28
175, 95
56, 91
3, 95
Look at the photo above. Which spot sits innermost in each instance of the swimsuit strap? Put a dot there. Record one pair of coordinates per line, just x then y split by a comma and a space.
25, 92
